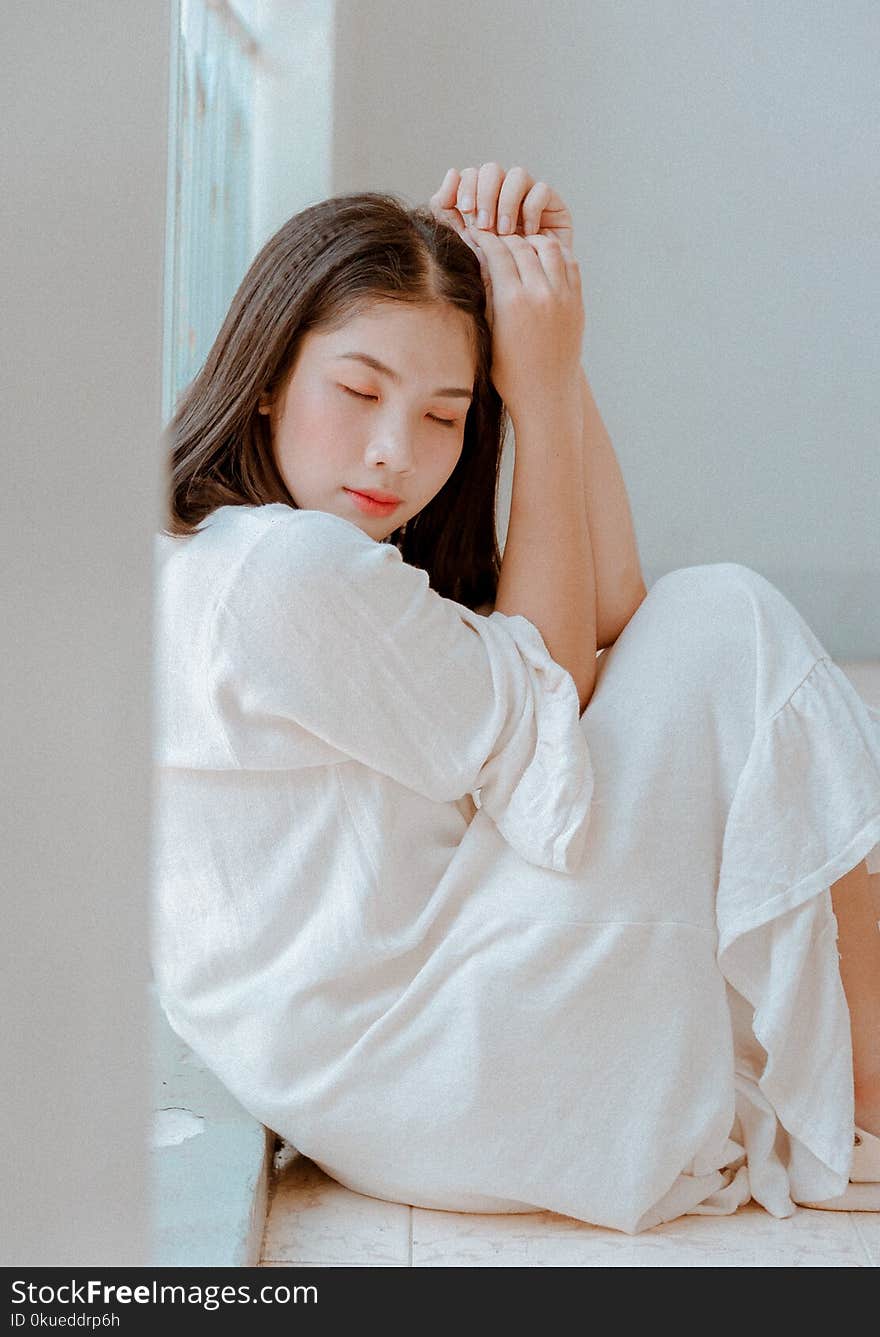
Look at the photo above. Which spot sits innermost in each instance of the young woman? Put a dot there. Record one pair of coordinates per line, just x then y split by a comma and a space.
476, 918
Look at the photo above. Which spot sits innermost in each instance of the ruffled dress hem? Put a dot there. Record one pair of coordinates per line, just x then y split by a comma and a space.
806, 811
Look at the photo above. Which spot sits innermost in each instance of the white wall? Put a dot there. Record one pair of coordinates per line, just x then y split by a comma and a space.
720, 157
84, 94
293, 109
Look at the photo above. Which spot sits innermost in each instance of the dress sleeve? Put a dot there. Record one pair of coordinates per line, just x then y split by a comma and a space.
324, 631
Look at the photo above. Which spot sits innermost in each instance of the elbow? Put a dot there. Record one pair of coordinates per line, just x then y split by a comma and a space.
586, 688
610, 631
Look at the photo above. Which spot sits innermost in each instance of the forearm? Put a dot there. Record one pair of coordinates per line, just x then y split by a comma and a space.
547, 570
620, 586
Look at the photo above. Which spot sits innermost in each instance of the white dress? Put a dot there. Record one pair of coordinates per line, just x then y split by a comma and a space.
466, 948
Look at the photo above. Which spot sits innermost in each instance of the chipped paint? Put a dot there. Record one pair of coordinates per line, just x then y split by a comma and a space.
174, 1125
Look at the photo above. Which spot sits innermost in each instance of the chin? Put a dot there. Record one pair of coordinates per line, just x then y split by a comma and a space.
399, 524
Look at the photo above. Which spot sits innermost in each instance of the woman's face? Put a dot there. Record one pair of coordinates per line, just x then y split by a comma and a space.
340, 426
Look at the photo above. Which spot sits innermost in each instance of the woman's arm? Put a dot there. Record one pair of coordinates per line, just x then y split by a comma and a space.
326, 647
547, 567
537, 208
537, 328
620, 586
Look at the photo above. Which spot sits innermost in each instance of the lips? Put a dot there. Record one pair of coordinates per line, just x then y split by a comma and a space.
386, 498
368, 503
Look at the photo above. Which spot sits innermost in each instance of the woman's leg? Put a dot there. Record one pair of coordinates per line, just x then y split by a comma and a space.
855, 899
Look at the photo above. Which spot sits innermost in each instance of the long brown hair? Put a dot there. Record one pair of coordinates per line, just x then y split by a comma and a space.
324, 265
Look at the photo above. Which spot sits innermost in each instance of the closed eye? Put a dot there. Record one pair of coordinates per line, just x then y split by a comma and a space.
446, 422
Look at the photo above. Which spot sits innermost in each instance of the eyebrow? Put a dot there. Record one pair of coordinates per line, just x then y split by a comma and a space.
451, 391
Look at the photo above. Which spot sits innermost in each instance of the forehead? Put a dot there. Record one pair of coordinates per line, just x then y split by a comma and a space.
411, 338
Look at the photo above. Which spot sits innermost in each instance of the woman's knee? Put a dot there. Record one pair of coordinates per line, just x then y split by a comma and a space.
736, 594
727, 617
698, 622
693, 612
708, 577
689, 651
712, 595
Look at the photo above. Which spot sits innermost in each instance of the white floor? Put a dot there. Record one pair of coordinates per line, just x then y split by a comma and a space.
313, 1221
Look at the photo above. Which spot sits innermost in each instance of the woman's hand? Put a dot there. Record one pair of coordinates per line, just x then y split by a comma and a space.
538, 321
528, 206
526, 246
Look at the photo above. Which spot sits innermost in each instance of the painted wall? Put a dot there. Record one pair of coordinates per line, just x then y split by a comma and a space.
720, 159
293, 109
84, 99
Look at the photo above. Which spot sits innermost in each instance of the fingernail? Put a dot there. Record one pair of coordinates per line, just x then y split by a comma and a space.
467, 202
504, 223
482, 219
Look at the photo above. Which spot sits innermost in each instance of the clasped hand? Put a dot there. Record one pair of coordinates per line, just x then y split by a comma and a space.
534, 302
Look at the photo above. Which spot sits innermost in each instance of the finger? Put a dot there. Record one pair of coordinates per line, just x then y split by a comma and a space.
468, 237
467, 193
444, 197
572, 270
471, 245
500, 263
533, 206
489, 179
515, 185
528, 263
471, 237
551, 259
451, 217
443, 203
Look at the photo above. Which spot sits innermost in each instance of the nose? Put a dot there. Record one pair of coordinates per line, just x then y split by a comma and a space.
390, 447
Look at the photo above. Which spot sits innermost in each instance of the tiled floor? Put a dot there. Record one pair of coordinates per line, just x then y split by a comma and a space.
314, 1221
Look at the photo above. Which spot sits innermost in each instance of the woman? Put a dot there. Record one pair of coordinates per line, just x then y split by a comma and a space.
476, 918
